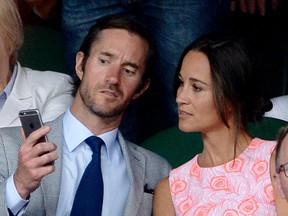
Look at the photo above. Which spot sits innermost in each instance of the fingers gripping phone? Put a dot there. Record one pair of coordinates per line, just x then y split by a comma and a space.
31, 121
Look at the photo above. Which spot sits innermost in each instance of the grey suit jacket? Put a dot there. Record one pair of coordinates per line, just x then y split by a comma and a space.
144, 167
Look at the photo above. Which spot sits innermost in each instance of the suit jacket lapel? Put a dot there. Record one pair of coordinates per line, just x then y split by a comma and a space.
51, 183
135, 162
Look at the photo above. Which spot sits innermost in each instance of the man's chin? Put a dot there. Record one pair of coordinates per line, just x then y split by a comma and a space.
108, 113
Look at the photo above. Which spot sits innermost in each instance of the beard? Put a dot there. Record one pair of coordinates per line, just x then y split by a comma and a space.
102, 110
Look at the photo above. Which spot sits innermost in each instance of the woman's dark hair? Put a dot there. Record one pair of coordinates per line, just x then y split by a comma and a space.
118, 21
234, 78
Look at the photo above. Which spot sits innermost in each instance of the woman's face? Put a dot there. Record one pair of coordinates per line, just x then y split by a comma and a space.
196, 108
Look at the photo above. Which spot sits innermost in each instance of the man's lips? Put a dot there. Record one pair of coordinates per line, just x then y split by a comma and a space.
110, 92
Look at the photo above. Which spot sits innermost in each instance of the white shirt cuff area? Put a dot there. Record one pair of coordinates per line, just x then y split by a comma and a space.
13, 200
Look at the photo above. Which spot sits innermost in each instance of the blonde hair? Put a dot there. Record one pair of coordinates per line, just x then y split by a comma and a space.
11, 29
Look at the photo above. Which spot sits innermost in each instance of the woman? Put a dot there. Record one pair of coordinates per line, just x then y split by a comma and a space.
217, 96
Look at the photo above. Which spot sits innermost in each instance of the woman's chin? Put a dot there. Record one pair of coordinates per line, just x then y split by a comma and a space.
185, 128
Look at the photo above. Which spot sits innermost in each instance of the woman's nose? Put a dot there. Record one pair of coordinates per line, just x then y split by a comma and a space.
181, 96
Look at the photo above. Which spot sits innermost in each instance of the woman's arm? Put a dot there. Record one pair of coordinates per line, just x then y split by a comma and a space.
163, 205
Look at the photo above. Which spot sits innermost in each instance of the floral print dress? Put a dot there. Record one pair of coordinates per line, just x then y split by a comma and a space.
239, 187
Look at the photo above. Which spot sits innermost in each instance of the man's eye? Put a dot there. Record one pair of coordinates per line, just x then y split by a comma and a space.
103, 61
129, 71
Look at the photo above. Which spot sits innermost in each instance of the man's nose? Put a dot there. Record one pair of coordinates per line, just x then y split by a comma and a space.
113, 75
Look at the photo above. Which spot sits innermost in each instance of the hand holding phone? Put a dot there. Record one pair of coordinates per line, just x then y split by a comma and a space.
33, 164
31, 121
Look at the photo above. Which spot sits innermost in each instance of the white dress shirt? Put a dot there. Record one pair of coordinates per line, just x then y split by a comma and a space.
77, 155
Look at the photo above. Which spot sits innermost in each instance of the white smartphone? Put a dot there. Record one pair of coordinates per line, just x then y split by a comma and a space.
31, 121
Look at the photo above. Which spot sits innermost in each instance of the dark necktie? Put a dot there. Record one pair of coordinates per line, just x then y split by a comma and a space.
89, 195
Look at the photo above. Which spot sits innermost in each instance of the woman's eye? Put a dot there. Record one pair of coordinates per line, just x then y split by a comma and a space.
180, 81
196, 88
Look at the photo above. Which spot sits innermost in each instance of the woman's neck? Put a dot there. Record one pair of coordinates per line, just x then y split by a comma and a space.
222, 147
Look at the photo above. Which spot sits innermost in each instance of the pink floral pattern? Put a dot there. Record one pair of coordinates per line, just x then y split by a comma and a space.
230, 212
178, 186
248, 207
185, 205
269, 193
235, 165
237, 188
203, 210
195, 171
260, 168
219, 183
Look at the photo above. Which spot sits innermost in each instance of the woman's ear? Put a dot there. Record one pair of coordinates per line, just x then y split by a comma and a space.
79, 65
139, 92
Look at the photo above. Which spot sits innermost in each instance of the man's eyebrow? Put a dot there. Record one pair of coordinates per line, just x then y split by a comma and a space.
109, 54
134, 65
105, 53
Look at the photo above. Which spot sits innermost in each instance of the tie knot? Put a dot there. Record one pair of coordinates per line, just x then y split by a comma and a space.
94, 143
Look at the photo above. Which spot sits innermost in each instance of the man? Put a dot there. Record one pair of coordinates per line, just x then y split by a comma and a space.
24, 88
111, 67
282, 162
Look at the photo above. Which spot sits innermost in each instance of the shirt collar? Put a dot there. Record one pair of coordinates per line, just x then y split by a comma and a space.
75, 133
7, 90
10, 84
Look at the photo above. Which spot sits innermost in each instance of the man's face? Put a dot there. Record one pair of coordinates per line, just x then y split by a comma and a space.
112, 73
283, 158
